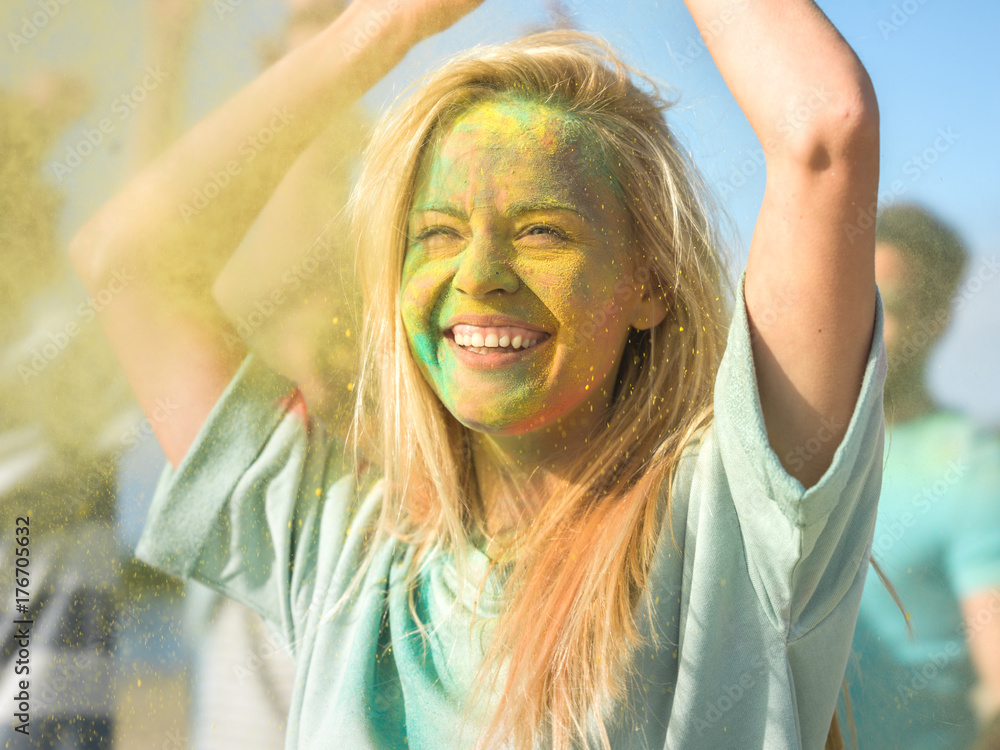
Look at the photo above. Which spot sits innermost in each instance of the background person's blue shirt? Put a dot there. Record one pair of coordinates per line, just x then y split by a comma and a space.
938, 539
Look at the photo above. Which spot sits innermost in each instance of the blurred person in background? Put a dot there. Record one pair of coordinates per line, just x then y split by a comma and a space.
937, 536
62, 404
296, 309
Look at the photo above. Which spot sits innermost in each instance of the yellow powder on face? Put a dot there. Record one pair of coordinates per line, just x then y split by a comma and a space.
495, 157
526, 122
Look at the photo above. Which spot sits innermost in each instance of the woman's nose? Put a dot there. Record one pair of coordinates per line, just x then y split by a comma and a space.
485, 267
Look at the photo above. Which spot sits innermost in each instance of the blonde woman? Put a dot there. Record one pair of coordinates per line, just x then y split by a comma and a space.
563, 518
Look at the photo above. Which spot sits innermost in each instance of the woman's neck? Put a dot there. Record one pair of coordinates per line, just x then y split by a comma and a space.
515, 475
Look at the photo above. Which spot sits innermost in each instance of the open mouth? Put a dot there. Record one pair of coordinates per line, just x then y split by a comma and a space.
494, 339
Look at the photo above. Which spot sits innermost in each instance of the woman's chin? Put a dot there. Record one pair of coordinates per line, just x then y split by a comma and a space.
501, 423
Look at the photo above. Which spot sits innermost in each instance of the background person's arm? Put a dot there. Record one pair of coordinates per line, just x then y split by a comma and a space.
810, 280
981, 612
156, 248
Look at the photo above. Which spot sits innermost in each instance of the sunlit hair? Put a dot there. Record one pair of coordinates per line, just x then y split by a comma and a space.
564, 644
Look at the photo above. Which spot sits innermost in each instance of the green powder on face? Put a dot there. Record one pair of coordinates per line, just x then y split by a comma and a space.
508, 197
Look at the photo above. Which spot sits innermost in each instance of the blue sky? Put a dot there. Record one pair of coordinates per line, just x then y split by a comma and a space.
934, 64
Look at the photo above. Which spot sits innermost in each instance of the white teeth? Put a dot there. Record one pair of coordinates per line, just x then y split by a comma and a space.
492, 341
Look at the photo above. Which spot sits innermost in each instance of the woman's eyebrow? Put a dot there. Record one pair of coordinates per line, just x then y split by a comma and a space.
441, 208
517, 208
524, 207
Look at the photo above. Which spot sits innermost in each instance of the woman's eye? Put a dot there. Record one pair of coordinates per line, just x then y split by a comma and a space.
543, 230
434, 233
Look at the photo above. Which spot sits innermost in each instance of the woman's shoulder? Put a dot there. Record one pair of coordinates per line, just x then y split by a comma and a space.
694, 464
260, 461
682, 486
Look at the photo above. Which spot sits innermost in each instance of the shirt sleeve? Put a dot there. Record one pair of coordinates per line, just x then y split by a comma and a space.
242, 513
973, 560
805, 549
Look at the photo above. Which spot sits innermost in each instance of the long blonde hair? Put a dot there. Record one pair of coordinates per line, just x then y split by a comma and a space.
579, 568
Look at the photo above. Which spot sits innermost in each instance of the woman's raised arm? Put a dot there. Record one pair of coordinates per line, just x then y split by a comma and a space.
810, 281
150, 256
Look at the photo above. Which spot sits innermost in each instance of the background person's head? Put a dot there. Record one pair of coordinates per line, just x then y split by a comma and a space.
919, 262
648, 310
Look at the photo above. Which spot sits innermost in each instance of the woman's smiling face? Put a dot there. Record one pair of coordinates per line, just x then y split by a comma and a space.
518, 289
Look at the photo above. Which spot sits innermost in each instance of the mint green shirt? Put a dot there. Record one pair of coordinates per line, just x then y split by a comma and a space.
754, 599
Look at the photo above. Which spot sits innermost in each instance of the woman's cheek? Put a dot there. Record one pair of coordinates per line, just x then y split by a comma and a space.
594, 312
599, 333
421, 295
425, 281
